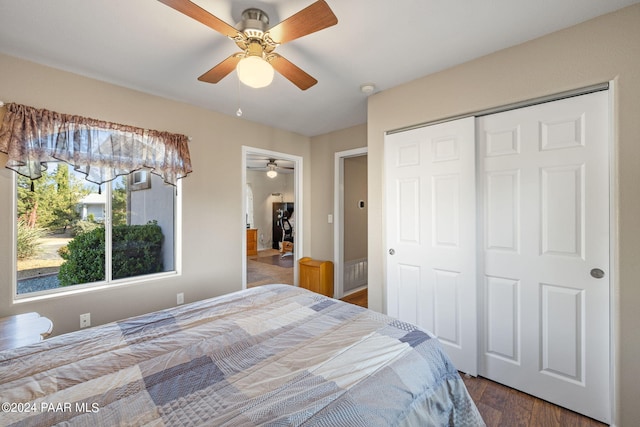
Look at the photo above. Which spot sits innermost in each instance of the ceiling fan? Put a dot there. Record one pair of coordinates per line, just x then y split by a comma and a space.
271, 168
258, 42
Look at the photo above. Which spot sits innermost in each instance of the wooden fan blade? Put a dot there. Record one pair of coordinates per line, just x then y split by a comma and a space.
221, 70
309, 20
194, 11
294, 74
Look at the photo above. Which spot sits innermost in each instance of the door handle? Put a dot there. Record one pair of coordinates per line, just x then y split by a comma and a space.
596, 273
392, 251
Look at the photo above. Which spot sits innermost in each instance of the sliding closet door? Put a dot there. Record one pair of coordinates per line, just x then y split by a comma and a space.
430, 230
545, 268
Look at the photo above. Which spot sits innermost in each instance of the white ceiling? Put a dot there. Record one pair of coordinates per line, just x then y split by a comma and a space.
148, 46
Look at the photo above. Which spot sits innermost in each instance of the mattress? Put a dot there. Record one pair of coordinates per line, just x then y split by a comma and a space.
272, 355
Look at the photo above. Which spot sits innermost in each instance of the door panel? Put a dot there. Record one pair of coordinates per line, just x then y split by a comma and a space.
546, 225
446, 196
562, 332
542, 224
409, 198
503, 318
430, 208
502, 212
447, 311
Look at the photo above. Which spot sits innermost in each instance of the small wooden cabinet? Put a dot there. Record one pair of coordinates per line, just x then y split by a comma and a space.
252, 241
317, 276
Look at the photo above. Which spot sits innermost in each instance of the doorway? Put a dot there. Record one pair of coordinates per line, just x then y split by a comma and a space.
350, 222
272, 217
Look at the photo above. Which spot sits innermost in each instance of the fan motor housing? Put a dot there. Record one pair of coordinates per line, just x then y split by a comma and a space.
254, 23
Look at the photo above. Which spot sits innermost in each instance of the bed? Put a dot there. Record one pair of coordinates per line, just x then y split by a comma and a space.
272, 355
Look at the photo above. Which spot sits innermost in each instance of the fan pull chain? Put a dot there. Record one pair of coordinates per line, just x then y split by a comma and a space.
239, 111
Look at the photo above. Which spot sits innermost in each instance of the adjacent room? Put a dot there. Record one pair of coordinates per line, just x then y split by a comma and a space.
320, 212
270, 213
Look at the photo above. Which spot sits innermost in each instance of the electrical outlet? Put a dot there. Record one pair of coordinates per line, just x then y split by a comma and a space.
85, 320
180, 298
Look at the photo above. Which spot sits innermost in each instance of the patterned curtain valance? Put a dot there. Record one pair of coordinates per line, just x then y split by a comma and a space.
101, 150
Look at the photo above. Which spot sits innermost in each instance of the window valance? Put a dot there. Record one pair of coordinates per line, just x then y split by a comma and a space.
101, 150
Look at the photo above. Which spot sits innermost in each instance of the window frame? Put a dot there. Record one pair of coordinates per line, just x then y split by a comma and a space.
108, 283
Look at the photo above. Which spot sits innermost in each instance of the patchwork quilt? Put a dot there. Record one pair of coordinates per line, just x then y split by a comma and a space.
276, 355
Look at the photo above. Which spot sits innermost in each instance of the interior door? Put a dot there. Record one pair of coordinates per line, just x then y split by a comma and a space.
431, 237
545, 268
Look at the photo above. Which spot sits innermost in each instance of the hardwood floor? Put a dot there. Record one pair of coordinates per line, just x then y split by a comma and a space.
260, 273
358, 298
503, 406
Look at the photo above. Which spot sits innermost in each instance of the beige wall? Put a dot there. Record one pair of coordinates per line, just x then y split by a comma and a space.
355, 218
323, 149
213, 221
600, 50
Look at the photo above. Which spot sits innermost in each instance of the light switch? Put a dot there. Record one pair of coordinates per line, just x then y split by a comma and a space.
330, 218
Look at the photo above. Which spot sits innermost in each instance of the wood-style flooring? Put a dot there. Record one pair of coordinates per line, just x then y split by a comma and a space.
260, 273
358, 298
505, 407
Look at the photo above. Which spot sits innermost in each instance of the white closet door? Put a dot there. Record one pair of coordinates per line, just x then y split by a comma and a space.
545, 221
431, 238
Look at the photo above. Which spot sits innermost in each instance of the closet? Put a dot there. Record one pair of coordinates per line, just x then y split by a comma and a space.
497, 231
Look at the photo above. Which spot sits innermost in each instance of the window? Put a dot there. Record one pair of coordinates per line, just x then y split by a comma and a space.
71, 232
140, 180
138, 177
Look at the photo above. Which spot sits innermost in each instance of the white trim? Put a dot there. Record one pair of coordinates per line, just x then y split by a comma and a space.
297, 191
338, 217
14, 238
614, 267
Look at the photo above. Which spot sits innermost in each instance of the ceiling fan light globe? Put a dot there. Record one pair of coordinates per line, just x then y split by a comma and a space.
255, 72
272, 173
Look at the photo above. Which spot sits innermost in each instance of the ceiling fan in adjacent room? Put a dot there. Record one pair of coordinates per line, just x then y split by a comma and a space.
256, 63
271, 167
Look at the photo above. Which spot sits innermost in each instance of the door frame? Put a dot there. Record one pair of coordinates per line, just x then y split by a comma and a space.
338, 220
297, 195
614, 202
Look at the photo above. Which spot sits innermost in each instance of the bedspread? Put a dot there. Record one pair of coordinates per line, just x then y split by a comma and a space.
273, 355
